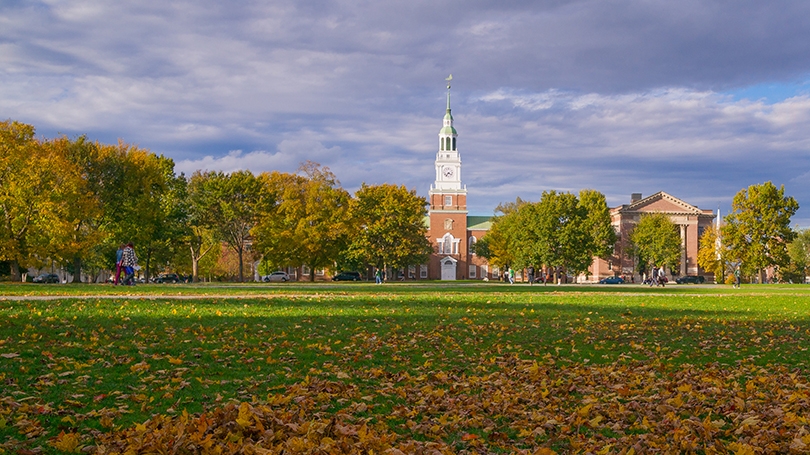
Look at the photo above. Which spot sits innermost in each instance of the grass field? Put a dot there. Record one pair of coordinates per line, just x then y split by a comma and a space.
404, 368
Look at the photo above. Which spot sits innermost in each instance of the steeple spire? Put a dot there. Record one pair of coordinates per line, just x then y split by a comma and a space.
449, 78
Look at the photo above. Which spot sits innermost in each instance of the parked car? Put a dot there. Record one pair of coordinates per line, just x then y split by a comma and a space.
277, 276
168, 278
612, 280
46, 278
347, 276
690, 279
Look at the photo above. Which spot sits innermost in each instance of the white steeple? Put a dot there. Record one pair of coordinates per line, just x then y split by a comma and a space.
448, 160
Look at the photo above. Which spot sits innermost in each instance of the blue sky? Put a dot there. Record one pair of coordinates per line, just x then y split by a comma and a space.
696, 98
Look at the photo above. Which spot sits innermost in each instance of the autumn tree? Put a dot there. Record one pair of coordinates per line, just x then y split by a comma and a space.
309, 222
711, 254
656, 241
390, 228
757, 231
85, 188
35, 189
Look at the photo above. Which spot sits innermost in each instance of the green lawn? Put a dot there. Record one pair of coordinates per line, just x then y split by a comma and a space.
414, 367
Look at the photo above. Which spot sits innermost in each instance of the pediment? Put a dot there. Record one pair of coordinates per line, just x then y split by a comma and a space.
662, 202
448, 261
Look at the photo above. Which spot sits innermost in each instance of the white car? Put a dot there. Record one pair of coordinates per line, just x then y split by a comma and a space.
277, 276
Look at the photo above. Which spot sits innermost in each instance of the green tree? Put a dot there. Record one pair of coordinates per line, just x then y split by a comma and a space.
597, 222
656, 241
308, 224
757, 231
799, 252
391, 232
230, 204
200, 235
554, 232
496, 244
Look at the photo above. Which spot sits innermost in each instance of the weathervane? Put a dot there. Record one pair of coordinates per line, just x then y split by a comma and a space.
449, 78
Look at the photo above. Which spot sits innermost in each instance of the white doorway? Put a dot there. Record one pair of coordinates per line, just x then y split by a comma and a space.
448, 268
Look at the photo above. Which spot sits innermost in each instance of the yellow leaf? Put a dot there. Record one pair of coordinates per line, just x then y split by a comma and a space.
686, 388
585, 410
66, 442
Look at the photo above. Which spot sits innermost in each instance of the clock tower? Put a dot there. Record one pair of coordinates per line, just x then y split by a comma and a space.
448, 206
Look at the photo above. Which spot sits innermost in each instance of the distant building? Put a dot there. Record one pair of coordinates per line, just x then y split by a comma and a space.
451, 230
691, 222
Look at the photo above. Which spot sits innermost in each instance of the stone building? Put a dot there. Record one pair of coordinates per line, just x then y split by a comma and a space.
691, 222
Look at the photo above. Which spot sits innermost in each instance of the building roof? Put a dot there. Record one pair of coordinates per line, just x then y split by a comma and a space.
479, 223
662, 202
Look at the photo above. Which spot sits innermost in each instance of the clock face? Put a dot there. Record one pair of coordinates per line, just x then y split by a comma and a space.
447, 171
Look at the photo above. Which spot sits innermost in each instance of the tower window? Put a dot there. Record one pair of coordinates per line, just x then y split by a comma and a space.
454, 144
447, 143
441, 144
448, 200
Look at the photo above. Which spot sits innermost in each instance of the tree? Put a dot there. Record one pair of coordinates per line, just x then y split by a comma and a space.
35, 189
597, 222
554, 232
391, 231
711, 254
230, 204
308, 224
757, 231
656, 241
799, 252
200, 235
81, 184
496, 244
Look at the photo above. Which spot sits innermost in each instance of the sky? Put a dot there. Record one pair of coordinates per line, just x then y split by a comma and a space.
697, 98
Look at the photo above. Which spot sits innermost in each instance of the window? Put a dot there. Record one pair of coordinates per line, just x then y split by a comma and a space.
483, 271
447, 244
495, 270
320, 272
305, 270
454, 144
448, 200
472, 245
441, 144
423, 271
447, 143
411, 271
472, 271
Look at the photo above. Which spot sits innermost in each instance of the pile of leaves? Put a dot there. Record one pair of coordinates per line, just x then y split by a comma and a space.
530, 407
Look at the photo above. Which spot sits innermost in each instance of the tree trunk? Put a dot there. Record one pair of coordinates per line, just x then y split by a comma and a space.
77, 270
15, 270
194, 269
241, 267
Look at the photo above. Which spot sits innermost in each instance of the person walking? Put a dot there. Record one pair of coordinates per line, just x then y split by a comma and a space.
118, 254
737, 280
511, 276
662, 279
530, 272
378, 276
129, 262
